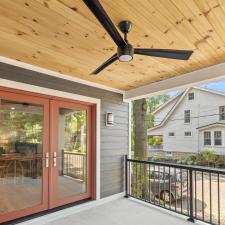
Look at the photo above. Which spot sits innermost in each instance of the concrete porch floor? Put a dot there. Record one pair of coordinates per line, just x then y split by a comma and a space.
117, 212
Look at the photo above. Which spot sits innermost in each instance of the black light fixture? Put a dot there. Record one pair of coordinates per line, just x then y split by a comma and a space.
109, 119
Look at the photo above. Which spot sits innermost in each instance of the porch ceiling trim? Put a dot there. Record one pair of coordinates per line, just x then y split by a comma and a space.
209, 74
212, 73
28, 66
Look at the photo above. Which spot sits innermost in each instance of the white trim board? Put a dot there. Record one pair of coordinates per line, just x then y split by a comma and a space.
56, 74
52, 92
209, 74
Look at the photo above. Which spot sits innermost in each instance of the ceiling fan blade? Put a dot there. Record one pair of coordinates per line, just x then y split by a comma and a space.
105, 64
99, 12
164, 53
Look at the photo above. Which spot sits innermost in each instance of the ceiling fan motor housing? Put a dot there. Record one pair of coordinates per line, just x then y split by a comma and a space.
125, 26
125, 53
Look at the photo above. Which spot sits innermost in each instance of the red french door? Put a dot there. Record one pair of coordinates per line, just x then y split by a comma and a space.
24, 145
70, 172
47, 152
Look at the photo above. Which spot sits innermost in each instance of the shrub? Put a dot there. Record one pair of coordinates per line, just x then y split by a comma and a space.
190, 160
155, 158
220, 161
158, 142
151, 141
208, 155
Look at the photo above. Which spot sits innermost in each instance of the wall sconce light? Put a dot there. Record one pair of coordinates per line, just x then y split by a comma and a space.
109, 121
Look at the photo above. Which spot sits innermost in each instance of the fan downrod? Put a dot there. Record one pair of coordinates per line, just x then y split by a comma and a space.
125, 26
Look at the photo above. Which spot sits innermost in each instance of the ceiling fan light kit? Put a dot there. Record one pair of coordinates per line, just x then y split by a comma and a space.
125, 50
125, 53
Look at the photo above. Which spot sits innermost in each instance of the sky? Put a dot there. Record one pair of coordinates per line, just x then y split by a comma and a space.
217, 86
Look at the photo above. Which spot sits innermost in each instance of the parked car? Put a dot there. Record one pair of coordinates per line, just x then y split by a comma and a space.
168, 185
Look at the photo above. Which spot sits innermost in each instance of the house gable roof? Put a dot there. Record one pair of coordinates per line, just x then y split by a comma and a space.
167, 103
210, 91
211, 125
171, 111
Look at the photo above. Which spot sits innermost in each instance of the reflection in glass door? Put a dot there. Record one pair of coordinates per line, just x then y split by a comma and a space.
70, 150
21, 154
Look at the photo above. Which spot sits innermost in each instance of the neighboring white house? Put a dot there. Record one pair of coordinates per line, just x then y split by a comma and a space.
191, 121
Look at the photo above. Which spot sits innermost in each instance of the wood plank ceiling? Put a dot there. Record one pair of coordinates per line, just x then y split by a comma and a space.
62, 35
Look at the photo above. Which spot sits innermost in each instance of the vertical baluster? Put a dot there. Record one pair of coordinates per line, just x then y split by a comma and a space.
149, 180
126, 176
181, 195
145, 181
169, 189
62, 162
191, 218
188, 192
141, 180
218, 183
210, 196
175, 176
154, 184
159, 180
84, 167
132, 185
195, 196
203, 207
67, 164
164, 185
136, 181
129, 178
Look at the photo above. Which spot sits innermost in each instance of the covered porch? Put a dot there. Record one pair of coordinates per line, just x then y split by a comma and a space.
70, 115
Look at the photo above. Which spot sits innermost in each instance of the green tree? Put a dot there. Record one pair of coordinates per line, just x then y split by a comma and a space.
152, 104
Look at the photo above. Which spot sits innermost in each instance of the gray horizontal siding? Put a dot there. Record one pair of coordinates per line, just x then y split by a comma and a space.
114, 140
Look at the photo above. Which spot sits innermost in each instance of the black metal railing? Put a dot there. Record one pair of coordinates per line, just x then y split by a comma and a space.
74, 165
193, 191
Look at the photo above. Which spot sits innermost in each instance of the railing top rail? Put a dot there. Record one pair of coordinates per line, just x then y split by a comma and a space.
74, 153
181, 166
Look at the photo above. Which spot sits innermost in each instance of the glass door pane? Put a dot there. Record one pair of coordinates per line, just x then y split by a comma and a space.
72, 136
21, 149
70, 151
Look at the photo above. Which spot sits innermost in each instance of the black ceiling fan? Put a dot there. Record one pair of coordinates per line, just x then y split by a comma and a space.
125, 50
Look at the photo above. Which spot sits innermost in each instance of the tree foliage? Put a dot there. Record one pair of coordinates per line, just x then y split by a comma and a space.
152, 104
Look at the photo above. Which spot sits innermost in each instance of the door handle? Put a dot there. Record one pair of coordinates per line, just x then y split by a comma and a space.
46, 159
54, 159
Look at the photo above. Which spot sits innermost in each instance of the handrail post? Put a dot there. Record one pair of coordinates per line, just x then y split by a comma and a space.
126, 176
191, 218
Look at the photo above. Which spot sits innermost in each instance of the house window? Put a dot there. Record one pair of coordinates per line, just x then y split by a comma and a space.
187, 133
187, 116
191, 96
171, 134
217, 138
222, 112
207, 138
